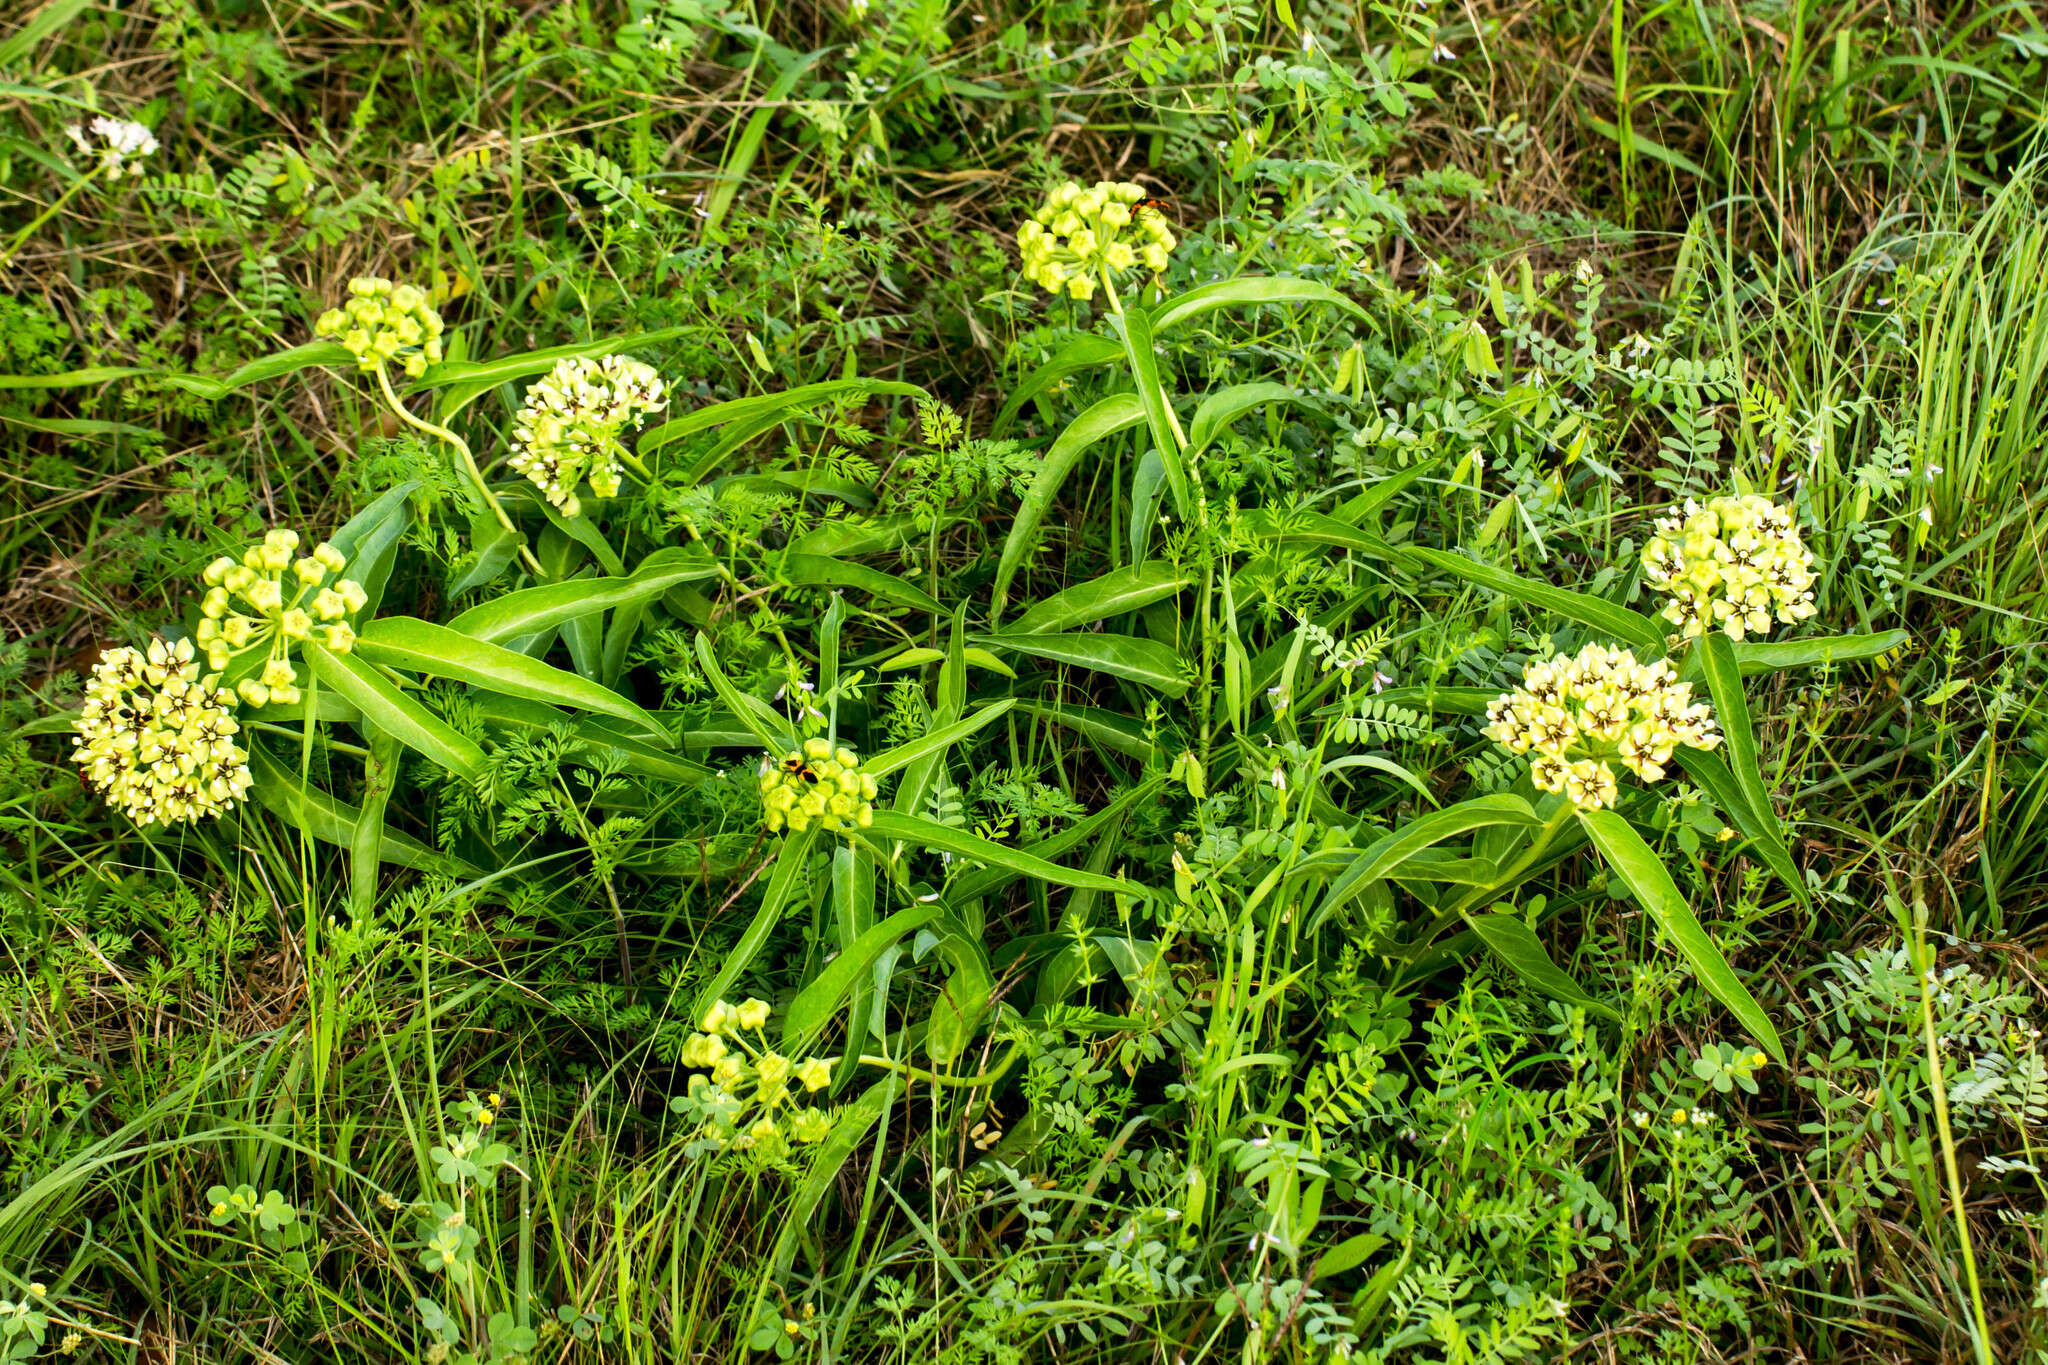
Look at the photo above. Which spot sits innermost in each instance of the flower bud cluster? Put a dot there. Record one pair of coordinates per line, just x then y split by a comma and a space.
817, 783
748, 1101
157, 740
1578, 716
568, 428
273, 597
384, 323
116, 142
1731, 565
1079, 234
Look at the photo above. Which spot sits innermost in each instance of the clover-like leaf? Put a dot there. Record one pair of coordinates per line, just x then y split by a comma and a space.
274, 1213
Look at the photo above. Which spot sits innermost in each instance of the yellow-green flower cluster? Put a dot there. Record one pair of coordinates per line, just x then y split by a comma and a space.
749, 1100
568, 428
383, 324
817, 783
274, 598
1577, 716
1079, 235
1731, 565
157, 740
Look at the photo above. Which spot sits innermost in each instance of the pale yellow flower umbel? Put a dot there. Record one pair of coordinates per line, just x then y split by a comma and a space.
272, 599
817, 783
157, 739
1078, 237
385, 324
1734, 565
568, 428
749, 1101
1578, 716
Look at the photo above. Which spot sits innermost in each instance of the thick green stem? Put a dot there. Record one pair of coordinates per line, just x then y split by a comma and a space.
468, 462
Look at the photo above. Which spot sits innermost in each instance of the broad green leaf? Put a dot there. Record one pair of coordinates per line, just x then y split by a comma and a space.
1355, 510
815, 1004
1245, 291
850, 1127
1148, 485
1317, 529
383, 705
1134, 329
749, 417
1719, 784
938, 838
1113, 594
331, 354
595, 737
965, 995
1118, 412
1216, 412
1080, 353
853, 914
753, 713
933, 741
333, 821
369, 541
1648, 880
1630, 628
739, 158
73, 379
1113, 730
920, 655
1516, 944
791, 855
1424, 831
421, 647
1775, 656
1731, 709
1146, 662
822, 571
533, 610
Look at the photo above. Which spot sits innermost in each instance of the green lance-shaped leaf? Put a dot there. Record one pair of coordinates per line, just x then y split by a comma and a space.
816, 1003
1516, 944
1114, 593
533, 610
1638, 632
1134, 329
823, 571
333, 821
462, 382
384, 705
1079, 353
790, 857
1146, 662
1247, 291
422, 647
1752, 812
1118, 412
902, 755
929, 834
1648, 880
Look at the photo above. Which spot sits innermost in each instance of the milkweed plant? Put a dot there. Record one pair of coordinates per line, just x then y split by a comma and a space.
187, 728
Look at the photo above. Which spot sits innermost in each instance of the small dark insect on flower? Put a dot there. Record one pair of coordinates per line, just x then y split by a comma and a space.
796, 767
1158, 205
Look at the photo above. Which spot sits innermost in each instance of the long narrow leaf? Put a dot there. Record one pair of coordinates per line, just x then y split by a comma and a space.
1647, 879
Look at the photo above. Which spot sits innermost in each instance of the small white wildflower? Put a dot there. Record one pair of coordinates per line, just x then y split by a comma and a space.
119, 142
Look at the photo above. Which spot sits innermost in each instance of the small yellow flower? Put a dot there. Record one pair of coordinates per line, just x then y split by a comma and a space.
568, 429
1580, 716
753, 1014
287, 598
1732, 564
156, 739
819, 783
382, 323
1080, 236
